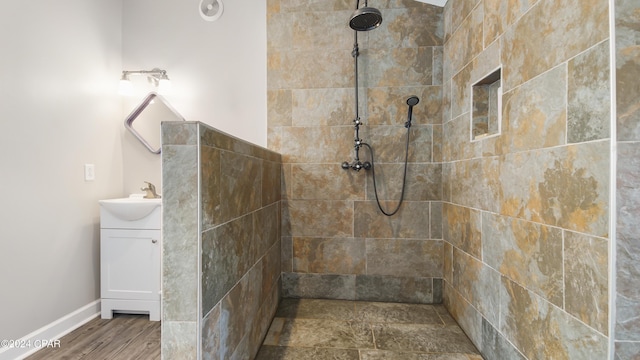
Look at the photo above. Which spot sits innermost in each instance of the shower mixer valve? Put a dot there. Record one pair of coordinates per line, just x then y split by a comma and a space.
356, 165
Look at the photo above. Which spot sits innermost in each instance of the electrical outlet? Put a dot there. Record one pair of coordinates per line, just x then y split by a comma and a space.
89, 172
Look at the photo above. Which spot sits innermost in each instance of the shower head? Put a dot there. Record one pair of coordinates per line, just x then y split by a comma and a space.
413, 101
365, 19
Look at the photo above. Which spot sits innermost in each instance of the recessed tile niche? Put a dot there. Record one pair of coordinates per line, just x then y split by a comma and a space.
486, 100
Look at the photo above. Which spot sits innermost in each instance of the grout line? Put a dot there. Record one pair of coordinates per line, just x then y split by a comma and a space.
564, 279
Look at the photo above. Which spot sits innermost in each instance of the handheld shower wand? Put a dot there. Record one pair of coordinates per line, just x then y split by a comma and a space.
412, 101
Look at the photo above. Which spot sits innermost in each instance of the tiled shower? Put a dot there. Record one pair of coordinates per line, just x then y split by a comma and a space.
335, 244
511, 232
522, 257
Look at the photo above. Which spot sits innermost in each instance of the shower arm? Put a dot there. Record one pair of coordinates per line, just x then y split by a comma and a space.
366, 3
357, 164
355, 53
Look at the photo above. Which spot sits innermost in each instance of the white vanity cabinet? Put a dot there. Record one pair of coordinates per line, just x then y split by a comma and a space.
130, 262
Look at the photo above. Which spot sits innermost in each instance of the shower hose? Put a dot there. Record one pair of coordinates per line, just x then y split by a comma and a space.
404, 176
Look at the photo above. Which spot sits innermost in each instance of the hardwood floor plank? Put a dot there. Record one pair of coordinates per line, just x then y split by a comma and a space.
146, 346
125, 336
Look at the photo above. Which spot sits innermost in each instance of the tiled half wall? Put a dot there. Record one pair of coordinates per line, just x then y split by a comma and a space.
221, 243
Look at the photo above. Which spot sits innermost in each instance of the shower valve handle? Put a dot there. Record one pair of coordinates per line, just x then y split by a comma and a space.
357, 165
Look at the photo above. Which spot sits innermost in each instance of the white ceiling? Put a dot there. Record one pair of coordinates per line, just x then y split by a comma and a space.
434, 2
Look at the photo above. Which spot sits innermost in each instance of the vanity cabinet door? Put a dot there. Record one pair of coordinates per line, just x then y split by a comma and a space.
130, 264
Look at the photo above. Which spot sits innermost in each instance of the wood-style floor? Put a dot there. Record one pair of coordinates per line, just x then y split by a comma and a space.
303, 329
125, 337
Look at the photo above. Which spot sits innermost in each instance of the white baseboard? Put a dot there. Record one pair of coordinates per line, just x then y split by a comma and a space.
33, 342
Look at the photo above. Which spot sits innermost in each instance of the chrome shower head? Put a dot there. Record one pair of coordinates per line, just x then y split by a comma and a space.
365, 19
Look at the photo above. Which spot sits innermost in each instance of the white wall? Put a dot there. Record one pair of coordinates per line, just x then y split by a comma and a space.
58, 110
218, 69
140, 164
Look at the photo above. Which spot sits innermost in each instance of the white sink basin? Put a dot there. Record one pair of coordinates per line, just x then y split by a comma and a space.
131, 208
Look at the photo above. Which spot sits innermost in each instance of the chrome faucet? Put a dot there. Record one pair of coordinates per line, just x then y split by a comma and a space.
151, 191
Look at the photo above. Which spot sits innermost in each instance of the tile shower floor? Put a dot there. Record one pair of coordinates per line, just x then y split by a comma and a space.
313, 329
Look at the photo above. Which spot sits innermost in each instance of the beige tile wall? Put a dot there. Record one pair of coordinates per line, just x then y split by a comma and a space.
627, 324
336, 243
526, 213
